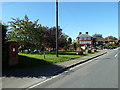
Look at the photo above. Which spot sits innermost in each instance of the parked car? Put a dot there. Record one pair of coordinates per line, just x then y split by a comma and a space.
89, 48
52, 50
110, 48
36, 51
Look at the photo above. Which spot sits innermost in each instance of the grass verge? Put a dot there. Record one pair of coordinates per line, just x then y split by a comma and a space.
36, 60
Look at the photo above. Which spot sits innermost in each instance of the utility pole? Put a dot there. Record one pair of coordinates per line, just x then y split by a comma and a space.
56, 28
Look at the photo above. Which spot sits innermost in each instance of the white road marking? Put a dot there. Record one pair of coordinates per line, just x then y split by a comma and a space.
42, 82
116, 55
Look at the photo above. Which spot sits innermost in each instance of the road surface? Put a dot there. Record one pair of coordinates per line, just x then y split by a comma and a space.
101, 72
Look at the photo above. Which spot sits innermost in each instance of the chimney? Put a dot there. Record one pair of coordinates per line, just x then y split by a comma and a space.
86, 32
80, 33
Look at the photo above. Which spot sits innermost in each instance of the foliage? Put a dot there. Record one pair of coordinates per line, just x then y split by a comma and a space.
107, 45
88, 51
67, 47
75, 47
29, 34
80, 52
111, 38
62, 41
97, 35
69, 40
51, 38
78, 45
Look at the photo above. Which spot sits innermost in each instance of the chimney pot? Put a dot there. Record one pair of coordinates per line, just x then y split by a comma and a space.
80, 33
86, 32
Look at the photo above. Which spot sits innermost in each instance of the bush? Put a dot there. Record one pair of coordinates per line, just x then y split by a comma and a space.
88, 51
93, 50
115, 47
80, 52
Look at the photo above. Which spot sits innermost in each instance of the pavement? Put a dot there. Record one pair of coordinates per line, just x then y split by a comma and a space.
23, 78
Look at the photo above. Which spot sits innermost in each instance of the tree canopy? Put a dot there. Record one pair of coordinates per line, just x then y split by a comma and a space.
69, 40
30, 34
111, 38
97, 35
51, 37
27, 33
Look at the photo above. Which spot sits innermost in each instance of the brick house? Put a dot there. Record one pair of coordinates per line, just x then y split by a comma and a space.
102, 41
84, 39
99, 41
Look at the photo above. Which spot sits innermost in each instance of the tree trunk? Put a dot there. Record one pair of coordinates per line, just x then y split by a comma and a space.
28, 50
44, 53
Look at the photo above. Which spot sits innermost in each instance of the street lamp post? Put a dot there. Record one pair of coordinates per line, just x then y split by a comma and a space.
56, 28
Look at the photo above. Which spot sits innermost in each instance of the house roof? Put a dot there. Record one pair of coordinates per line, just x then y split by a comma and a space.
84, 35
102, 39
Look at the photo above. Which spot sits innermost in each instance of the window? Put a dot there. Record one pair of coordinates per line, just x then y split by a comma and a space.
86, 38
89, 38
88, 42
81, 38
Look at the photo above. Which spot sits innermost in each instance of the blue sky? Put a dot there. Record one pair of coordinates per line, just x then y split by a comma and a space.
74, 17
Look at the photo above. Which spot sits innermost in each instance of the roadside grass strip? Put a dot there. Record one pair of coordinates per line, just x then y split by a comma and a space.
37, 60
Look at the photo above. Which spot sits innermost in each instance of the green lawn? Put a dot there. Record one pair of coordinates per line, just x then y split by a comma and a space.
37, 60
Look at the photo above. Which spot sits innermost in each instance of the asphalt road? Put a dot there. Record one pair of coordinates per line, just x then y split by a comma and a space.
101, 72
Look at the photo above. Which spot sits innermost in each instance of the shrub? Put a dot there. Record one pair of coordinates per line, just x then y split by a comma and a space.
80, 52
93, 50
88, 51
114, 47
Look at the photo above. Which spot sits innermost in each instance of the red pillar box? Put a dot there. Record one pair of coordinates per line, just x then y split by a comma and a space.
13, 53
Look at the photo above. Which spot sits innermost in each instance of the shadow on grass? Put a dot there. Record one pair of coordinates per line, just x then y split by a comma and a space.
27, 62
31, 67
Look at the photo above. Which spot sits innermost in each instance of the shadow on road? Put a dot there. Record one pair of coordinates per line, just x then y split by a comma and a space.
26, 65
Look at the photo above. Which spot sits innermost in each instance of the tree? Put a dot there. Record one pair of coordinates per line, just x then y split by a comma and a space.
4, 30
75, 46
97, 35
62, 40
50, 38
29, 34
111, 38
69, 40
